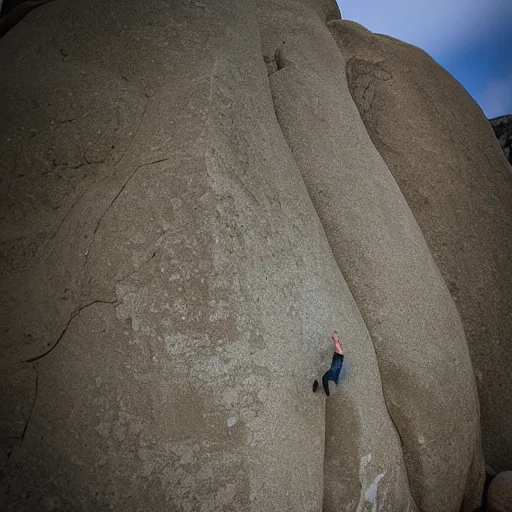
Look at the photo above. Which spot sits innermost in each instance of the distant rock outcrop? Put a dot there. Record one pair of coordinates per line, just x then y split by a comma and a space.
502, 127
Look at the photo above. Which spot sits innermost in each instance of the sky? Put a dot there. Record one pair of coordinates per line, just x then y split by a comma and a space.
471, 39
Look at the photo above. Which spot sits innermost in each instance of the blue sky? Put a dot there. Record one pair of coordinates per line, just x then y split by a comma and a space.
472, 39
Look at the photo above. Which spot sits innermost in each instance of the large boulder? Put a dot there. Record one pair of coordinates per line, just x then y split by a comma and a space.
414, 324
167, 287
171, 270
445, 158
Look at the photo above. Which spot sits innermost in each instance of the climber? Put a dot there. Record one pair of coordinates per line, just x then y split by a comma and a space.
334, 372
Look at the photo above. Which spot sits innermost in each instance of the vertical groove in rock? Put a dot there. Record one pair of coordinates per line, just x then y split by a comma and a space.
278, 47
415, 328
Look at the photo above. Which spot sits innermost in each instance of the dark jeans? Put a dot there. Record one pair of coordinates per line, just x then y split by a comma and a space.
333, 373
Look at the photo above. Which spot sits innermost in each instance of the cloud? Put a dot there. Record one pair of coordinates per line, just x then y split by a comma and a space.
496, 100
437, 26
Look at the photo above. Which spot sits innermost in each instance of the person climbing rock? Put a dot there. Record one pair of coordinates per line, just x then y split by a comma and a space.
334, 371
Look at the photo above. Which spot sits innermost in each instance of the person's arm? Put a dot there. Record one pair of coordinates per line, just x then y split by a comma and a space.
336, 340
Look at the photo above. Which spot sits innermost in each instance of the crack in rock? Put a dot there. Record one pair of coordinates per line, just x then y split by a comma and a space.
73, 316
132, 174
22, 437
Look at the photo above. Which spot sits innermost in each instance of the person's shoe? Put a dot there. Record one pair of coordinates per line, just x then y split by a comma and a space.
315, 386
325, 384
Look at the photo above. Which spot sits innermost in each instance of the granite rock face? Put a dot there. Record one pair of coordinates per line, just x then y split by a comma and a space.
295, 38
502, 127
381, 252
190, 205
445, 158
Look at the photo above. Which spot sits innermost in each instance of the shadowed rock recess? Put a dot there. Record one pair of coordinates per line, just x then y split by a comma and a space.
191, 202
502, 127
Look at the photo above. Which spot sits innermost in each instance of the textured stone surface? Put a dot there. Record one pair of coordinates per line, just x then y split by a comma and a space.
444, 156
164, 271
19, 389
502, 127
286, 27
167, 288
414, 324
499, 496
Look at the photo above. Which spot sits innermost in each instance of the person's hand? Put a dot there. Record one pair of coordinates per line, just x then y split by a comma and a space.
336, 340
